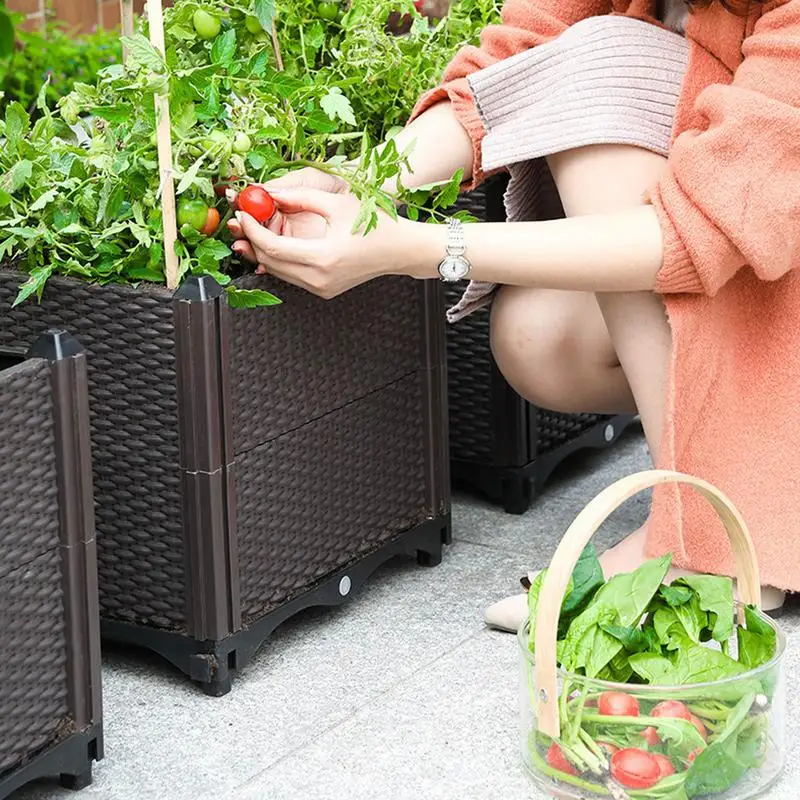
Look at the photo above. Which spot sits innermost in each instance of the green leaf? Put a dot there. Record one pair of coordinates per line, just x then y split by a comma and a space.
680, 735
44, 200
634, 640
250, 298
6, 34
587, 578
337, 106
675, 595
449, 193
314, 36
210, 107
34, 285
16, 177
188, 178
757, 641
654, 668
618, 670
264, 11
116, 113
716, 597
17, 125
210, 253
621, 601
224, 49
142, 53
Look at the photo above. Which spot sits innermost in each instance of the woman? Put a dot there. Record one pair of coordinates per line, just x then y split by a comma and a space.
672, 136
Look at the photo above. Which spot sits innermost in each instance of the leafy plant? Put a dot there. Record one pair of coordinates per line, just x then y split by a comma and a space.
634, 629
80, 188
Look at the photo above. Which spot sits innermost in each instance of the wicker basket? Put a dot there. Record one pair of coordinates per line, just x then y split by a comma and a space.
721, 739
50, 708
248, 463
500, 444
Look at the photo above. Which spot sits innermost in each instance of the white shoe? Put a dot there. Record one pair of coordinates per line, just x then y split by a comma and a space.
508, 614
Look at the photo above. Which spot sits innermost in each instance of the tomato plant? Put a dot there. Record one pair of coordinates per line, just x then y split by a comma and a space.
258, 203
253, 25
192, 213
242, 143
618, 704
328, 11
207, 25
635, 769
557, 760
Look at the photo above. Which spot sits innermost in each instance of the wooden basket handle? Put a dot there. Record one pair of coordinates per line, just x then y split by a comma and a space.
572, 545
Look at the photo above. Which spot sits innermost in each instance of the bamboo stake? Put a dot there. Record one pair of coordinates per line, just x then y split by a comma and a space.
155, 17
98, 13
126, 15
276, 46
43, 16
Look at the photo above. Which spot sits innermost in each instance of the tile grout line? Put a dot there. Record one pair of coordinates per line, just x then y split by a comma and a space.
369, 704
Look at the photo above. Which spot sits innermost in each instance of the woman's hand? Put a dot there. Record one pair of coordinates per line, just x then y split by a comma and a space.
323, 255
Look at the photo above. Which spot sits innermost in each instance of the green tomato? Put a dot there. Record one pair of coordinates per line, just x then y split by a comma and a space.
328, 11
193, 213
242, 143
218, 143
252, 24
206, 25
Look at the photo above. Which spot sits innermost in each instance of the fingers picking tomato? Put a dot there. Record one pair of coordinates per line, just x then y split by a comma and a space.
212, 222
193, 213
673, 709
664, 765
557, 760
618, 704
635, 768
650, 735
701, 728
221, 188
258, 203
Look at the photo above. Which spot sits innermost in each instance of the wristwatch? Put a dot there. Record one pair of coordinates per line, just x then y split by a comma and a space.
455, 266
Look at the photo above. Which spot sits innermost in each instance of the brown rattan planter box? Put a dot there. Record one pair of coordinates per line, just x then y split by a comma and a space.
500, 444
50, 705
249, 463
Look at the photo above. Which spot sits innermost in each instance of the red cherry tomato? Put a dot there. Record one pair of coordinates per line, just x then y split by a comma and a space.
701, 729
221, 188
673, 709
608, 748
212, 222
258, 203
618, 704
693, 755
635, 769
557, 760
664, 765
651, 737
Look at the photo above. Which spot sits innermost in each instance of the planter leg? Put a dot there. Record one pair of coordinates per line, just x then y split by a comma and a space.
77, 782
220, 686
517, 494
427, 558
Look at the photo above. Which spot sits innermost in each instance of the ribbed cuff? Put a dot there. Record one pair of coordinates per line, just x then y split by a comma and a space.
678, 274
460, 97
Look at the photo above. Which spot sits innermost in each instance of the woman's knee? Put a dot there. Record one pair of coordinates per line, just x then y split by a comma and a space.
539, 341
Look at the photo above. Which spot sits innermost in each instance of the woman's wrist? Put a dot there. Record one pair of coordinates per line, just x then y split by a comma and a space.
422, 248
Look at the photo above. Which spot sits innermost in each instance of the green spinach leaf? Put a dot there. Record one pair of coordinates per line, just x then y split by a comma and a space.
716, 597
757, 642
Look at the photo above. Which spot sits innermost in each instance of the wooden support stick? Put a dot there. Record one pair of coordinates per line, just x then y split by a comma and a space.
43, 16
276, 46
155, 17
126, 15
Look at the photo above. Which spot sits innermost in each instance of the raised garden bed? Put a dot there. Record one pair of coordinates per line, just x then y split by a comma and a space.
50, 704
500, 444
249, 463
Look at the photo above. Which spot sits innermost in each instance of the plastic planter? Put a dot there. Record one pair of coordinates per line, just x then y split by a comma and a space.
50, 705
500, 444
250, 463
733, 749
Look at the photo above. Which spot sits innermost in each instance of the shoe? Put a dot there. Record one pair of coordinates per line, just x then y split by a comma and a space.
510, 613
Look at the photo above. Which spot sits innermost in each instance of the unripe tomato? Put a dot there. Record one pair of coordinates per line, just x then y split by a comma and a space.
193, 213
664, 765
242, 143
557, 760
673, 709
252, 24
212, 222
258, 203
635, 769
217, 142
206, 25
328, 11
618, 704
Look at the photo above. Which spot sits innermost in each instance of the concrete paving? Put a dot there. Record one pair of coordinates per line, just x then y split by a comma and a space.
400, 694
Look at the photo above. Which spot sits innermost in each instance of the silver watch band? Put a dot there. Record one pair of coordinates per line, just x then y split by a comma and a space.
456, 245
455, 266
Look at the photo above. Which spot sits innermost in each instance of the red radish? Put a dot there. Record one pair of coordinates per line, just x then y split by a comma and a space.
701, 729
664, 765
618, 704
635, 769
651, 736
693, 755
557, 760
673, 709
608, 748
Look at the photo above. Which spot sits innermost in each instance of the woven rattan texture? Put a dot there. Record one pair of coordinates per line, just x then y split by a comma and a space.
293, 363
339, 488
33, 679
129, 337
28, 488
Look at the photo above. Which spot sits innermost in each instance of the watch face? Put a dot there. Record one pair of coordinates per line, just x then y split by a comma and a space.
454, 268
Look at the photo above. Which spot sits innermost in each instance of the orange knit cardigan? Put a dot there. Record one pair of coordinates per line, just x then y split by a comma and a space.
729, 208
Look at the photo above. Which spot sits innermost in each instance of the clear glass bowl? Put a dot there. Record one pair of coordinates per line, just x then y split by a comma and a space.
742, 718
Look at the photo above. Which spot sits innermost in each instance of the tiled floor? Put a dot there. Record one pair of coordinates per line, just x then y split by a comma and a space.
400, 694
